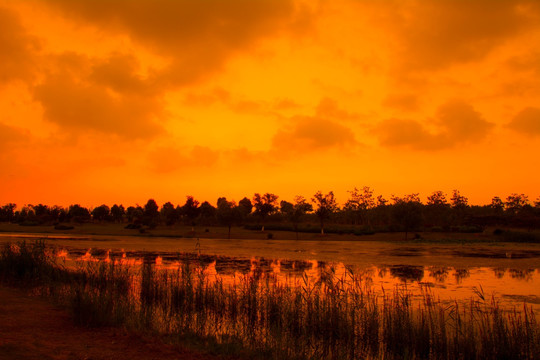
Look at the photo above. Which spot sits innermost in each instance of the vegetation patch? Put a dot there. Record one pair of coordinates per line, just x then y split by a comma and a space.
327, 318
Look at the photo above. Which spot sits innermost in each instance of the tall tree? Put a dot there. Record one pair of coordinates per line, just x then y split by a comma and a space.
245, 207
227, 213
326, 206
295, 212
7, 212
191, 211
118, 212
151, 213
168, 214
459, 201
459, 204
101, 213
264, 205
437, 209
78, 213
359, 203
407, 212
497, 205
515, 203
207, 212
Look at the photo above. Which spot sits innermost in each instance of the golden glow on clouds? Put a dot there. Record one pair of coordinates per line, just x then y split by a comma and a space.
120, 101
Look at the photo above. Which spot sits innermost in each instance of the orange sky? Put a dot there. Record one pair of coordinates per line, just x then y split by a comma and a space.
121, 101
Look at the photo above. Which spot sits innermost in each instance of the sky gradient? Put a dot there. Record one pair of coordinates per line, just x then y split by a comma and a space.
122, 101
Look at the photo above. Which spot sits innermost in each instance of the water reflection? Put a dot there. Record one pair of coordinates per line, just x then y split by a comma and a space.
521, 274
439, 273
461, 274
509, 285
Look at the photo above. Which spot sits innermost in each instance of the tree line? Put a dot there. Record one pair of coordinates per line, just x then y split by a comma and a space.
363, 212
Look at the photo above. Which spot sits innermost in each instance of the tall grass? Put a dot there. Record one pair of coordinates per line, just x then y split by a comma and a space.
332, 317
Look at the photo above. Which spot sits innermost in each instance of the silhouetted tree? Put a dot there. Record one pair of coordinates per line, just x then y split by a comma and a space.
151, 213
326, 206
459, 204
207, 213
168, 214
79, 214
135, 214
191, 211
497, 205
437, 209
359, 204
407, 212
41, 213
101, 213
381, 201
264, 205
58, 213
515, 203
458, 201
227, 213
295, 213
245, 207
117, 213
7, 212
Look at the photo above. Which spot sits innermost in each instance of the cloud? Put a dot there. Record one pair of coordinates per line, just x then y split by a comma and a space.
405, 102
12, 136
329, 108
313, 133
457, 122
527, 62
197, 37
17, 48
527, 122
102, 95
168, 159
436, 34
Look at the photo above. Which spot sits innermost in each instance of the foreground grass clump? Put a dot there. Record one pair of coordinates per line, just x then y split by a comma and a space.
330, 317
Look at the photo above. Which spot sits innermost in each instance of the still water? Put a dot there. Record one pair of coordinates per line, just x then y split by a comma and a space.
510, 274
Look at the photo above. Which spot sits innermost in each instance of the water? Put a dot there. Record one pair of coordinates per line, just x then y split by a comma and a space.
508, 273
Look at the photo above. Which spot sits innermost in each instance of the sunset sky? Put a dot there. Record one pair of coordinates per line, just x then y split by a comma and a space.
119, 101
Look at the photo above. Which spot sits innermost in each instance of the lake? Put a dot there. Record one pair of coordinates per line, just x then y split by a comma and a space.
508, 272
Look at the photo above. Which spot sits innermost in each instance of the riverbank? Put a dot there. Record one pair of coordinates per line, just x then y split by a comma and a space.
31, 328
240, 233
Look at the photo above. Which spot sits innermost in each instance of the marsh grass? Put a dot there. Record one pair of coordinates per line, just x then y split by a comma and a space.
331, 317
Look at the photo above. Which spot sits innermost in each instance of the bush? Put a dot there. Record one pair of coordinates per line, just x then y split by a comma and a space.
63, 227
517, 236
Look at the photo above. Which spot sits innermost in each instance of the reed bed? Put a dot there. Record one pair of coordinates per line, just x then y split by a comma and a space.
331, 317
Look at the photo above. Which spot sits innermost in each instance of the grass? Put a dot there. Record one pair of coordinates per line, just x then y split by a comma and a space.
332, 317
489, 236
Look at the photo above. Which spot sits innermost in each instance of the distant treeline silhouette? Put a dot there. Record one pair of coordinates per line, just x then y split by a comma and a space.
362, 213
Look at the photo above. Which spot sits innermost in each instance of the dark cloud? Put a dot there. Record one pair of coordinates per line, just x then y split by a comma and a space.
527, 122
328, 108
313, 133
457, 123
436, 34
17, 48
120, 73
196, 36
461, 123
405, 102
406, 133
103, 95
